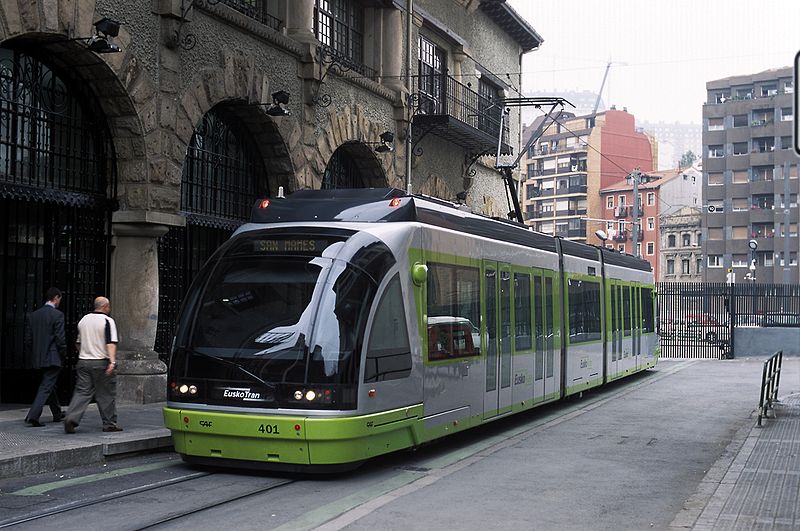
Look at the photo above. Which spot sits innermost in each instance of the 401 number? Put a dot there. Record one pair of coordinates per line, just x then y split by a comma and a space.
269, 429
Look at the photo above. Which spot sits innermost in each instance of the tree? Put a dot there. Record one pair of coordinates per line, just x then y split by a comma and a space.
687, 159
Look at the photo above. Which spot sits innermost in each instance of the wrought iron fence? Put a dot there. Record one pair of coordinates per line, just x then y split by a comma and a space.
697, 319
255, 9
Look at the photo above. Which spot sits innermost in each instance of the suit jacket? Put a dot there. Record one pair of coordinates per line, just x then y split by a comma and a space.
44, 337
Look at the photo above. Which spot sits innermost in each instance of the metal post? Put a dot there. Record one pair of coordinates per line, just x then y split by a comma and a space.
636, 175
786, 252
409, 37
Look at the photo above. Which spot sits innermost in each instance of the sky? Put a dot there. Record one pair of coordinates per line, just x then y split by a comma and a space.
663, 52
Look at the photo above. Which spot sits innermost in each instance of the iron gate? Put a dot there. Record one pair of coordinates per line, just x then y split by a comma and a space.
223, 175
56, 163
694, 320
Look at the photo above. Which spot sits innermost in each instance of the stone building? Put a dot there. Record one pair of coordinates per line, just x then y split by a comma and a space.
121, 172
681, 258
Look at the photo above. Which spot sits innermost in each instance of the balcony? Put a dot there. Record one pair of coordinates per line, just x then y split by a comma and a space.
621, 211
621, 236
255, 9
458, 114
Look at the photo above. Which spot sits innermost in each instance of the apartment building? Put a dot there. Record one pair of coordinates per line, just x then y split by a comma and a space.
572, 161
750, 182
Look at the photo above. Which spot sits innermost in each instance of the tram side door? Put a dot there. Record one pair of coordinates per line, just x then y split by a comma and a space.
497, 339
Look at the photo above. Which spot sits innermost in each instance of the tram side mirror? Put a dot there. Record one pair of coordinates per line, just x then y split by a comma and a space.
419, 274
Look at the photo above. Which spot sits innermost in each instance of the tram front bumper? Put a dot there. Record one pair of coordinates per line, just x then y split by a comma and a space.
293, 440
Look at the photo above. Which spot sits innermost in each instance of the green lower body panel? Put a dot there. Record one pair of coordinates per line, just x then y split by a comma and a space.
291, 440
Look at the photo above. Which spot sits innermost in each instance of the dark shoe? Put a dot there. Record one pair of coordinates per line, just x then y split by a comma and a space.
69, 426
34, 423
59, 417
112, 428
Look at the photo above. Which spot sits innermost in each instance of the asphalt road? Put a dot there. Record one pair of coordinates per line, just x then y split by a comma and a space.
626, 457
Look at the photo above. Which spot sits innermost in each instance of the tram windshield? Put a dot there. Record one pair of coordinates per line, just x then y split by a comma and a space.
274, 316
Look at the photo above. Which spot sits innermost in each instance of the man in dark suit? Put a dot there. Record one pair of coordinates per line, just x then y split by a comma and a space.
46, 346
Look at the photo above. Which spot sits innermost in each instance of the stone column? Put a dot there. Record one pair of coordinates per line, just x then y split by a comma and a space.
392, 49
300, 22
141, 376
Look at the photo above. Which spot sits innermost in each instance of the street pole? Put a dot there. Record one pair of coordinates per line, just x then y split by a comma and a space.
636, 176
409, 36
786, 252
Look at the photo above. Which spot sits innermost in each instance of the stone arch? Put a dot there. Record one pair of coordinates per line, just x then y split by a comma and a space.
346, 127
123, 90
239, 84
363, 160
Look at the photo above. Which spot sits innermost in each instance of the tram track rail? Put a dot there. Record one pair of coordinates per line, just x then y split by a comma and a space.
112, 496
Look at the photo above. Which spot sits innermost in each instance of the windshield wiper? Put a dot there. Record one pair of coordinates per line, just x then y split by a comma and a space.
268, 385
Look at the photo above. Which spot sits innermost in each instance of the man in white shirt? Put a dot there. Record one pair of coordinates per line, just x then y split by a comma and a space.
97, 361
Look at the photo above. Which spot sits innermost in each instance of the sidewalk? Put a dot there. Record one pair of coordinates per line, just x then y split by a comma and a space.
25, 450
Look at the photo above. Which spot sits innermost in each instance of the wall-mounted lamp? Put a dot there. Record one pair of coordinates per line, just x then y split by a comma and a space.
385, 145
102, 41
279, 100
601, 234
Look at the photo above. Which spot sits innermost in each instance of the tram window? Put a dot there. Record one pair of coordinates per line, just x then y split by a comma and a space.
648, 315
614, 322
626, 310
539, 322
453, 311
584, 310
388, 353
506, 329
522, 312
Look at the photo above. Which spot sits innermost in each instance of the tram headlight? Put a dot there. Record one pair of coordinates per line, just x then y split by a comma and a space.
298, 395
183, 389
311, 395
192, 389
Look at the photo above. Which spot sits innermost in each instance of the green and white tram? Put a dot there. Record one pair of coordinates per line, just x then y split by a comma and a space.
341, 325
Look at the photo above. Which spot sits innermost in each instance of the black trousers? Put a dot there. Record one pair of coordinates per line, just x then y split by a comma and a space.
46, 394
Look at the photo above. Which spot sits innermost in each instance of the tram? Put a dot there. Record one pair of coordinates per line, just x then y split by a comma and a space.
340, 325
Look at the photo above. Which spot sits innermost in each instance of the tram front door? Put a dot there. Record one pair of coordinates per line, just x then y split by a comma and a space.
497, 339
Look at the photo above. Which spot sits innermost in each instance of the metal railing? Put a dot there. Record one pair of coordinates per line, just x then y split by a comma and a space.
440, 94
255, 9
770, 380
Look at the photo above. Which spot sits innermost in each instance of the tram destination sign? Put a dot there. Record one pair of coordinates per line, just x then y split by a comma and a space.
290, 245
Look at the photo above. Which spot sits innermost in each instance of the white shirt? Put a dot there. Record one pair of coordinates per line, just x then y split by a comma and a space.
95, 331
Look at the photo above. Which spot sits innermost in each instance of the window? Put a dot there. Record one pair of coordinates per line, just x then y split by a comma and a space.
648, 310
584, 310
792, 259
716, 151
698, 266
762, 173
715, 233
740, 177
740, 120
716, 124
714, 260
739, 204
740, 148
770, 89
763, 230
621, 247
739, 260
687, 239
453, 311
339, 24
739, 233
432, 72
765, 258
787, 115
721, 97
651, 248
651, 198
788, 87
651, 223
388, 354
638, 249
786, 142
792, 229
621, 201
792, 201
717, 179
698, 239
763, 202
610, 202
522, 312
764, 144
685, 266
670, 266
744, 94
671, 240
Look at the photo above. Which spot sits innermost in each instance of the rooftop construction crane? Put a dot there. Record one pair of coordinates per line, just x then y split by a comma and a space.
603, 84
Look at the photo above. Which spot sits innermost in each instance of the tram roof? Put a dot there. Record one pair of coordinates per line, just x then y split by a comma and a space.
382, 205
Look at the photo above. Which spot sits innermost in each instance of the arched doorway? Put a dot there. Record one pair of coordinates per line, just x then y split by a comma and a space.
353, 165
223, 175
56, 181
